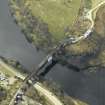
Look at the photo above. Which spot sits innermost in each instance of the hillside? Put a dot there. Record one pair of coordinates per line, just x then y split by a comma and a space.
45, 22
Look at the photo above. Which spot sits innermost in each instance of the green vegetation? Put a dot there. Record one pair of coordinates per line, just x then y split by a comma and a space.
33, 94
88, 4
56, 13
9, 84
6, 71
91, 3
8, 92
95, 2
3, 93
15, 65
57, 91
48, 21
45, 22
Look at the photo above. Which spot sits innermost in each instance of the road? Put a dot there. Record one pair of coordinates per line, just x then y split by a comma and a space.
49, 95
12, 70
52, 98
89, 16
90, 13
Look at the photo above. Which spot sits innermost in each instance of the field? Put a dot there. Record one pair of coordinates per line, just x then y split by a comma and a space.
45, 22
95, 2
58, 14
6, 71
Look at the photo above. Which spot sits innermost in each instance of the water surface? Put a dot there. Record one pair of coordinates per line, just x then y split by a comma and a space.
89, 87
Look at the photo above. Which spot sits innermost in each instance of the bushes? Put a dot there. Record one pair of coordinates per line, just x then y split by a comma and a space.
88, 4
3, 93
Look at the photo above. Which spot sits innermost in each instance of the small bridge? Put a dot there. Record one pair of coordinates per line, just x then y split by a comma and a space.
52, 59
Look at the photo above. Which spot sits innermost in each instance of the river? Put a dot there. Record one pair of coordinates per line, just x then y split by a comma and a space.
86, 86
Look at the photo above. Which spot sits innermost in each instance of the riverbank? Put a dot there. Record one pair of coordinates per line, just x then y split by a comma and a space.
81, 48
57, 92
89, 54
89, 50
48, 29
9, 82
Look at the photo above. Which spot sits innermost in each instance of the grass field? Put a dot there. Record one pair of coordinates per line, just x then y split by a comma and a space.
6, 71
95, 2
58, 14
